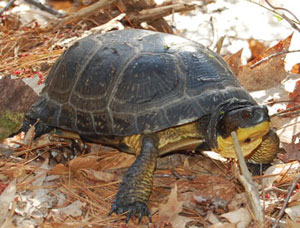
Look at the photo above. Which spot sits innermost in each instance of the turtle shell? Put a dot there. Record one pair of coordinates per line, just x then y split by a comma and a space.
134, 81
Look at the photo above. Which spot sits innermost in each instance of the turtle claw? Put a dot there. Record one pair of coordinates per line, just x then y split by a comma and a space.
137, 208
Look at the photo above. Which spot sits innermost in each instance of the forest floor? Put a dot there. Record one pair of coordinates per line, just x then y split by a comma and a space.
56, 181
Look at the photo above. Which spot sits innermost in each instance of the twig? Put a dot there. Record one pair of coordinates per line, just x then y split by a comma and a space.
285, 17
7, 6
85, 12
109, 25
286, 201
20, 153
275, 189
290, 114
271, 56
277, 101
294, 22
219, 44
281, 8
247, 181
288, 111
158, 12
43, 7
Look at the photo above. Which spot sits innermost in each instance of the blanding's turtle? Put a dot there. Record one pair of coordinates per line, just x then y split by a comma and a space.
150, 93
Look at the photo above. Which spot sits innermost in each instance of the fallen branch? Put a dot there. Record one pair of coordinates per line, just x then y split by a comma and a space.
246, 180
85, 12
148, 15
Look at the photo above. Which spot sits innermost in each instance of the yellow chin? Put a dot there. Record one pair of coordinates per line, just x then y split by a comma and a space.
249, 139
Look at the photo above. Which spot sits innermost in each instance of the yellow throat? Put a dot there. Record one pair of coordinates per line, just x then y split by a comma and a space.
249, 139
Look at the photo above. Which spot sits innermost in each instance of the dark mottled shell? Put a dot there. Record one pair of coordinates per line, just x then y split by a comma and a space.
134, 81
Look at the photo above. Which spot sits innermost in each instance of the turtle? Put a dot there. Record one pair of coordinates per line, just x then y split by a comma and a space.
150, 93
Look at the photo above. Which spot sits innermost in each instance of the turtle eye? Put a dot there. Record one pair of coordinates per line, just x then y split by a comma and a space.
247, 140
246, 114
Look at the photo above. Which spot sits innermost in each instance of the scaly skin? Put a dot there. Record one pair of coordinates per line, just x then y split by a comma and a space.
135, 188
267, 150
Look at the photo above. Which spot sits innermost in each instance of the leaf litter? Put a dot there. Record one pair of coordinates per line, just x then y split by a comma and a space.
43, 190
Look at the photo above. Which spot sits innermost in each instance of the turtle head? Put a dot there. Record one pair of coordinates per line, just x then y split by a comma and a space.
251, 124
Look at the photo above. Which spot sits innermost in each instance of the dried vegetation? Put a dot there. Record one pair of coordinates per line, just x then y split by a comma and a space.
60, 182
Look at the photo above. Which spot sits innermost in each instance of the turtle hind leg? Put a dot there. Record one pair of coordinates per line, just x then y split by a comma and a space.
40, 128
135, 188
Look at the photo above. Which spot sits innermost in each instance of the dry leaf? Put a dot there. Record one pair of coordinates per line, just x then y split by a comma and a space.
117, 161
60, 169
291, 224
257, 48
296, 69
29, 135
97, 175
8, 224
295, 197
41, 141
235, 62
292, 152
223, 225
88, 162
237, 201
268, 73
74, 210
212, 218
169, 212
289, 129
294, 213
290, 169
6, 198
18, 95
241, 217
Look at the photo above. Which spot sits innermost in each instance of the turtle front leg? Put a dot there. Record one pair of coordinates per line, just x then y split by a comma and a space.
135, 188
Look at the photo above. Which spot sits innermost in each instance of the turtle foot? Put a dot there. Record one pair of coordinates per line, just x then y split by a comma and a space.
137, 208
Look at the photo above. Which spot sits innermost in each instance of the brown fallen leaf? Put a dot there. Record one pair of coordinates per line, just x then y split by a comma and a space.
235, 62
116, 160
60, 169
88, 162
292, 152
223, 225
169, 212
291, 224
293, 212
97, 175
281, 174
296, 69
257, 48
16, 96
268, 73
6, 198
241, 217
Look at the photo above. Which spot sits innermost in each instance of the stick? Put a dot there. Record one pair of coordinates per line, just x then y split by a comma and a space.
247, 181
43, 7
7, 6
85, 12
285, 17
159, 12
271, 56
286, 201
